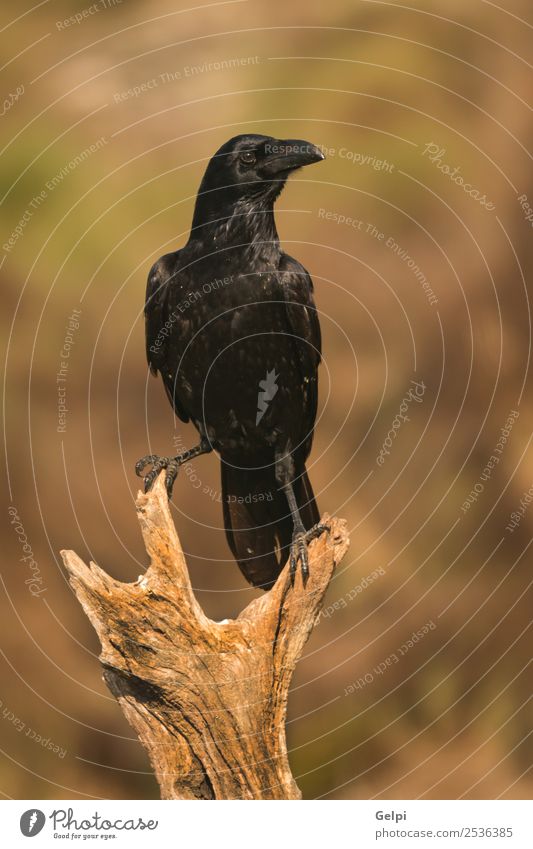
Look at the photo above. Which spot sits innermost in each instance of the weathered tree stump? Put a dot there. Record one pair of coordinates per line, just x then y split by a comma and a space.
207, 699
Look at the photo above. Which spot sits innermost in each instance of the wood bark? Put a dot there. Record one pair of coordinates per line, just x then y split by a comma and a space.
207, 699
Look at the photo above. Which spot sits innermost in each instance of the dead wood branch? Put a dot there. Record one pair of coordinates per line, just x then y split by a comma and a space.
207, 699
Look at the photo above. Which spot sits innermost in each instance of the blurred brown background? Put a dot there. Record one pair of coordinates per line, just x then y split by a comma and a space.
108, 123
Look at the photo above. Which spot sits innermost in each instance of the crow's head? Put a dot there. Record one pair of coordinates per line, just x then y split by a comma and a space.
252, 166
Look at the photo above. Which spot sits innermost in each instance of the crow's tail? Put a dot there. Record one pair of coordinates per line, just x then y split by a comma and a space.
258, 522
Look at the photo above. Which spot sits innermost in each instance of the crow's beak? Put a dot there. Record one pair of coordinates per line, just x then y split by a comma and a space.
289, 154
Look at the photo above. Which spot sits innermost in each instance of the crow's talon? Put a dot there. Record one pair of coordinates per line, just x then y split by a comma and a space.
157, 463
317, 530
171, 475
300, 541
144, 461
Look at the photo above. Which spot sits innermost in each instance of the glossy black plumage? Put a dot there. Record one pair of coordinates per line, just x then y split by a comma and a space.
232, 328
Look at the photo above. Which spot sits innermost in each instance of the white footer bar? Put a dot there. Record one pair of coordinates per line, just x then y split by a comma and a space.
272, 825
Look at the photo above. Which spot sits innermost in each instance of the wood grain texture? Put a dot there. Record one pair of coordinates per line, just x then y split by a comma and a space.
207, 699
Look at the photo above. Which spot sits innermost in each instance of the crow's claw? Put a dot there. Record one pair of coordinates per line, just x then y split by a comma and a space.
298, 552
300, 541
157, 463
144, 461
171, 475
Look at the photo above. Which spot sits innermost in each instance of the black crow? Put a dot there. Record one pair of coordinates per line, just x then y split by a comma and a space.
232, 328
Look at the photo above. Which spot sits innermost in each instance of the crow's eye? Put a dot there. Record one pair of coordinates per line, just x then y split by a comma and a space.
248, 157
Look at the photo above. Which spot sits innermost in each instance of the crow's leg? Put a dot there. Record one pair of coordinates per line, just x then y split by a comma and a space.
300, 537
171, 464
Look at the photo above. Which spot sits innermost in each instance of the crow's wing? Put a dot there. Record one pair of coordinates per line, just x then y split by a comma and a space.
160, 323
304, 326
